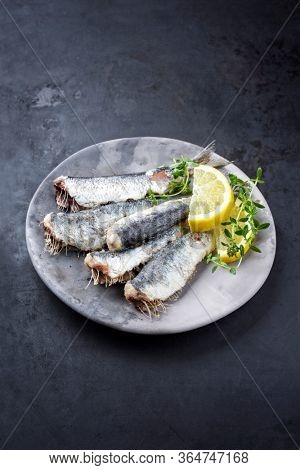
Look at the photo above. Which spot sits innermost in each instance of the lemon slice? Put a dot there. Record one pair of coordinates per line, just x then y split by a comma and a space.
220, 237
212, 199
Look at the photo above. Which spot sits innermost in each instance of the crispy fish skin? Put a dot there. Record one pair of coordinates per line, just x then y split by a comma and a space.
137, 228
111, 267
77, 193
86, 193
86, 230
168, 272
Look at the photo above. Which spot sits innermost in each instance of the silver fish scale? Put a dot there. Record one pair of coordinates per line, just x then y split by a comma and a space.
171, 268
118, 263
91, 192
137, 228
86, 230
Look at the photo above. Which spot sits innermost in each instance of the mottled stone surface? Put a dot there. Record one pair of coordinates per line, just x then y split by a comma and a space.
129, 68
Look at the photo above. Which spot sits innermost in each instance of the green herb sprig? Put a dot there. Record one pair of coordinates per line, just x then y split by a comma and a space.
180, 182
250, 227
213, 258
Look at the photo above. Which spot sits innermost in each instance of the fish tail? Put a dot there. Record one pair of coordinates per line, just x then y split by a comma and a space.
207, 156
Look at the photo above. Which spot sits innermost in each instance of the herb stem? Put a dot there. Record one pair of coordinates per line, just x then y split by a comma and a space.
244, 225
181, 179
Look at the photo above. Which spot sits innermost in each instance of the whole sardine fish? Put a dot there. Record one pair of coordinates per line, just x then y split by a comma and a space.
86, 230
111, 267
76, 193
167, 272
137, 228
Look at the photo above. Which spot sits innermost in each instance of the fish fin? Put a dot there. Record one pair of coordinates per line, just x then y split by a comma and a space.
207, 156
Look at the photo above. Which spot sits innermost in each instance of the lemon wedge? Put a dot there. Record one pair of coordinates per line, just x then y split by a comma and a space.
220, 236
212, 199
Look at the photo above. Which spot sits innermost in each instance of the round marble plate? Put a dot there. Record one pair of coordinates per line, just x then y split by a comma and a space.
209, 296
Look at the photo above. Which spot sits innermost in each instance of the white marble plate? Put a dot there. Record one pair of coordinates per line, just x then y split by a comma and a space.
210, 296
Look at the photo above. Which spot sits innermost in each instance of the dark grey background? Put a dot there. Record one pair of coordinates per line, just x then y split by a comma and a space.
161, 68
